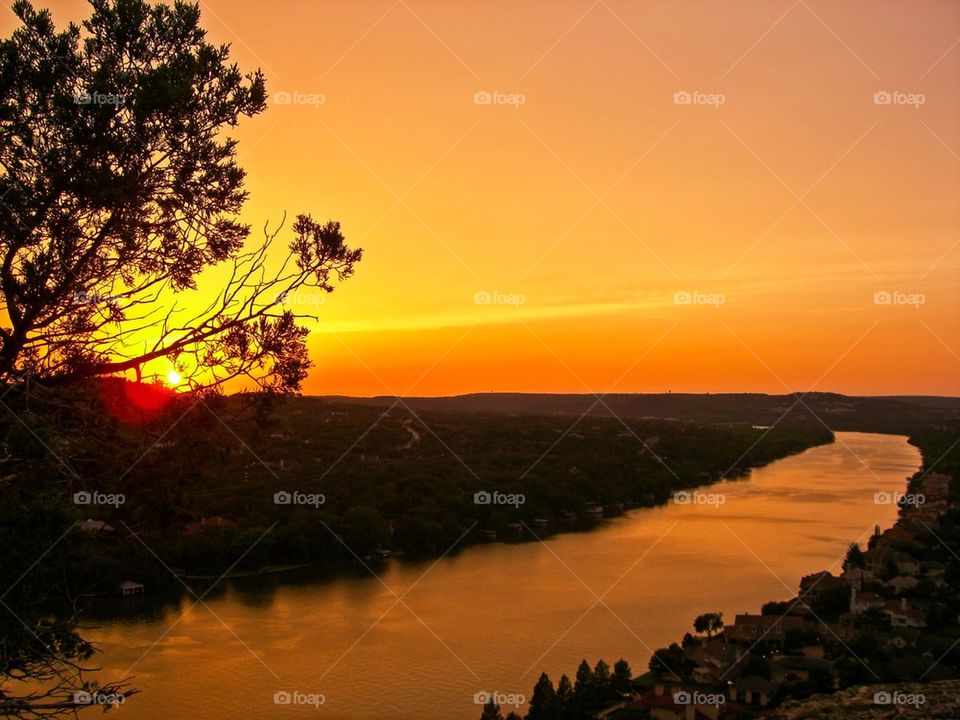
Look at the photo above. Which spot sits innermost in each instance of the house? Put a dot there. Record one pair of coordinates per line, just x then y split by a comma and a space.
753, 690
715, 661
904, 615
814, 586
856, 577
665, 702
540, 523
831, 634
129, 587
860, 602
488, 534
660, 707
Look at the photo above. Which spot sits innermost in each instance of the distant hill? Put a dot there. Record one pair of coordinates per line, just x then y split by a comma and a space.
839, 412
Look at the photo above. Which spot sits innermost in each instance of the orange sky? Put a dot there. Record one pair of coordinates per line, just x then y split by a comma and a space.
583, 211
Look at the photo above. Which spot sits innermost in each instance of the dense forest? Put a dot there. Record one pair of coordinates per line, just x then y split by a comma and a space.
305, 481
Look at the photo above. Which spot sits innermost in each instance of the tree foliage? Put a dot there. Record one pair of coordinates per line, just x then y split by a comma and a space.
543, 703
120, 188
708, 623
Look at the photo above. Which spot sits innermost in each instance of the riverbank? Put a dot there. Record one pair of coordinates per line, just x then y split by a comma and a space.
346, 636
941, 699
387, 495
889, 616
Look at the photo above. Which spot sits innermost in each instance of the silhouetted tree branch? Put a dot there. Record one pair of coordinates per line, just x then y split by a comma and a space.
119, 189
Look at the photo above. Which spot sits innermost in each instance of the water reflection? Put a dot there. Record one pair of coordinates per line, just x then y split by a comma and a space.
493, 617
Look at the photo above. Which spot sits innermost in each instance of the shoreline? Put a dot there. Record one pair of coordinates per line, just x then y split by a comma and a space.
769, 633
578, 526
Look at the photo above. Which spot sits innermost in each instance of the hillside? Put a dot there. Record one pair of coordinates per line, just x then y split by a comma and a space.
940, 700
903, 414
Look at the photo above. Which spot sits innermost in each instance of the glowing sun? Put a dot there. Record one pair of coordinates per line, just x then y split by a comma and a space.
173, 378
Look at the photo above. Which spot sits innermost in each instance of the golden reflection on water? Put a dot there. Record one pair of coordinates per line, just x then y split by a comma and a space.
493, 617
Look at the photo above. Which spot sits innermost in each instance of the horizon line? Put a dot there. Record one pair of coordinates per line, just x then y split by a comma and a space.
635, 393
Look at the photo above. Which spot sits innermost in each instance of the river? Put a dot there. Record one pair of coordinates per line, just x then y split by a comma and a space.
492, 617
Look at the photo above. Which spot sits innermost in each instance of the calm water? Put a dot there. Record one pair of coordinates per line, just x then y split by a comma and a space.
493, 617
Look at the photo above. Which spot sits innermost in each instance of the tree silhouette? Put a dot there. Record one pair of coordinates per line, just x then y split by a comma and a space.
854, 558
622, 676
670, 662
491, 711
543, 703
584, 691
602, 679
708, 623
119, 188
564, 696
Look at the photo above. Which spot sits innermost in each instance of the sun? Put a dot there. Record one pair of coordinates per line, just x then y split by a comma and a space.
173, 378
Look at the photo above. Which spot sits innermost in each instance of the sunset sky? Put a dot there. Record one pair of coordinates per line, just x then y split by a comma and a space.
787, 189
